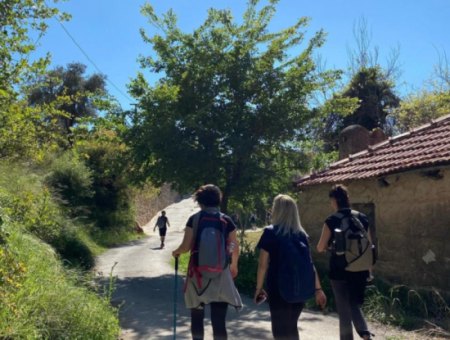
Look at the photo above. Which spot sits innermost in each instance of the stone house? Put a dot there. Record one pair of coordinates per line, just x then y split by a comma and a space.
403, 185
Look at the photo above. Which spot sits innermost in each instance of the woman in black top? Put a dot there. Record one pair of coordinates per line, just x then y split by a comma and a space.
217, 292
284, 315
348, 287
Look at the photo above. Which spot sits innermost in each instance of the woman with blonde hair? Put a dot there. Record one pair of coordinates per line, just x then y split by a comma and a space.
291, 278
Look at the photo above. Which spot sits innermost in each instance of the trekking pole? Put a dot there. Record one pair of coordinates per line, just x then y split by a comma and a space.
175, 301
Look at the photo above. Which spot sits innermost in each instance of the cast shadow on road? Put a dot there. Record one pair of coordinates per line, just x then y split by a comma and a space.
139, 242
147, 306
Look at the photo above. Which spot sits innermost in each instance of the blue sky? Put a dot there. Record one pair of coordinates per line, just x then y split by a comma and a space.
108, 30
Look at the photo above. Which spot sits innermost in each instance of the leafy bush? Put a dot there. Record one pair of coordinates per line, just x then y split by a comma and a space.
74, 250
248, 268
112, 204
39, 299
28, 203
73, 181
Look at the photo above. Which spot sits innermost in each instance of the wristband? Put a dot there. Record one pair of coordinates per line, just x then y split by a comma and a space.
318, 289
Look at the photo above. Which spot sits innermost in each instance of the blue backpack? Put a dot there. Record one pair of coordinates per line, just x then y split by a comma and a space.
296, 276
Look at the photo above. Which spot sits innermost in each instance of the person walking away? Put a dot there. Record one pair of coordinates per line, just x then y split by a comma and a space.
210, 236
162, 223
235, 219
291, 279
268, 217
253, 221
347, 234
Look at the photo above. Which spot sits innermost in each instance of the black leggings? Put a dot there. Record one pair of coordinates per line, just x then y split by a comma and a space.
284, 317
218, 320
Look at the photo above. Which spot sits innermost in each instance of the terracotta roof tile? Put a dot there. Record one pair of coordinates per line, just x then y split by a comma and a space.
427, 145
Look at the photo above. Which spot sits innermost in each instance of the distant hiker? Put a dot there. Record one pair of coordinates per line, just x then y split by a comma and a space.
210, 236
347, 234
253, 221
235, 219
162, 223
268, 217
292, 279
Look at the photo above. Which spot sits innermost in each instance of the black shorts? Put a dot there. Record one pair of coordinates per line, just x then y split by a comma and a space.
162, 231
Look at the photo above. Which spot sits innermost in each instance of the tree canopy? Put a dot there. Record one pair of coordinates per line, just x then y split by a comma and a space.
79, 89
25, 132
231, 107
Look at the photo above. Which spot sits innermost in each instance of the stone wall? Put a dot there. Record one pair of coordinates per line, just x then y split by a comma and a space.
411, 221
149, 201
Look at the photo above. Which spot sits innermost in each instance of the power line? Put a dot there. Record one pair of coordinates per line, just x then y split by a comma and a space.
86, 55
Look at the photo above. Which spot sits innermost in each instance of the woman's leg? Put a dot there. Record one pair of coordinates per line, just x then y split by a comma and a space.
281, 317
358, 320
197, 326
218, 320
341, 294
296, 311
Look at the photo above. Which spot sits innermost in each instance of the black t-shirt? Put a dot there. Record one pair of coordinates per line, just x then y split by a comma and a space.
162, 222
271, 243
333, 222
230, 224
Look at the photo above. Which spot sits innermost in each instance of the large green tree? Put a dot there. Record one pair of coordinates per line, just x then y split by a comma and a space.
22, 24
429, 102
79, 89
232, 106
24, 132
376, 95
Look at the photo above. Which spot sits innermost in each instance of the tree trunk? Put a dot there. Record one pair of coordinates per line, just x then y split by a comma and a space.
224, 203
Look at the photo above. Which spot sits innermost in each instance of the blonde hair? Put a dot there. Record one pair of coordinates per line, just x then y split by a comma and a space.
285, 215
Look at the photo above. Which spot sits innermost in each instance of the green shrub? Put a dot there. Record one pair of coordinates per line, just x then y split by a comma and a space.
74, 250
39, 299
248, 268
28, 203
112, 203
72, 179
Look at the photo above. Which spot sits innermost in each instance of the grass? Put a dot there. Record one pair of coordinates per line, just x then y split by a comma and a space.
46, 291
43, 300
101, 240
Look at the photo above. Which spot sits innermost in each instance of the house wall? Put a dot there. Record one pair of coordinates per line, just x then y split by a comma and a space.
412, 222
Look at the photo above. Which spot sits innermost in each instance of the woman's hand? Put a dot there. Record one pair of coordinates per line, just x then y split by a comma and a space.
176, 253
234, 270
258, 293
321, 299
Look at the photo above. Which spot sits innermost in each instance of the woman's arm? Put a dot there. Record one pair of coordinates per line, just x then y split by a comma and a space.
232, 238
262, 270
185, 246
321, 299
324, 239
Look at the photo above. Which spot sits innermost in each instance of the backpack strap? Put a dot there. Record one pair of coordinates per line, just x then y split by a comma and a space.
339, 215
195, 223
358, 223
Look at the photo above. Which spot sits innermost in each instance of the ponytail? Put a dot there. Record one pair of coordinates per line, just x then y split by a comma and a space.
340, 193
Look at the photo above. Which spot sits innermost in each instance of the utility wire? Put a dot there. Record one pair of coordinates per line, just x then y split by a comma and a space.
86, 55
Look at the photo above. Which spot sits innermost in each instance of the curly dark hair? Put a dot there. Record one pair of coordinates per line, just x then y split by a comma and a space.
340, 193
208, 195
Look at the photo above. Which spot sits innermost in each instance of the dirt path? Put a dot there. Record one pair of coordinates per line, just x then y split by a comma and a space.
145, 286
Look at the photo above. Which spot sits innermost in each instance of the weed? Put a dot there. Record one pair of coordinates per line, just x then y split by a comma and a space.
42, 300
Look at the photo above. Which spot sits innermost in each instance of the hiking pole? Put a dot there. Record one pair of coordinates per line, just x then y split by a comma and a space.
175, 301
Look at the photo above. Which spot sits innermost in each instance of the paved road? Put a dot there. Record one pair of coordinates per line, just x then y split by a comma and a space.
145, 287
